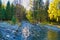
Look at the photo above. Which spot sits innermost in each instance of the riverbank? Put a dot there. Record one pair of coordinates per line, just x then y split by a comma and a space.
51, 24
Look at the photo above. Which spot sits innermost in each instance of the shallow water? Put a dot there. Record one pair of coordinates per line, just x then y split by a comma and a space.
28, 31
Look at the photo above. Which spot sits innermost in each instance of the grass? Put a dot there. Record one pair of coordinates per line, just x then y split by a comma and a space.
10, 22
44, 23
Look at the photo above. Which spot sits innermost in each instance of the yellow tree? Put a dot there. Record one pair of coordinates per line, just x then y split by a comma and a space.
54, 10
29, 16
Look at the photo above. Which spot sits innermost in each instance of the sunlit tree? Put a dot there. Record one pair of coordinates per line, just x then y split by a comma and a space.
54, 11
29, 16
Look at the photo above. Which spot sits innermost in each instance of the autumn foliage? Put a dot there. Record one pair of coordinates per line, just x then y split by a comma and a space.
54, 10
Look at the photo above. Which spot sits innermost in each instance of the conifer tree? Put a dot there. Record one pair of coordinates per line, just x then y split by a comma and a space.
0, 9
8, 11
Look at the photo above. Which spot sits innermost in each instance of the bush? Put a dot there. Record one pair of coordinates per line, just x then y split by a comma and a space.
13, 20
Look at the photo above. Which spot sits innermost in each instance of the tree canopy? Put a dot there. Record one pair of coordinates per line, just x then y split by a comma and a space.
54, 10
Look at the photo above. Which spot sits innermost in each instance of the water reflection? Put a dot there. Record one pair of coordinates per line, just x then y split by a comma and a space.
25, 33
52, 35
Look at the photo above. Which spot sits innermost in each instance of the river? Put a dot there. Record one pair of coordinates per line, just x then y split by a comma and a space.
28, 31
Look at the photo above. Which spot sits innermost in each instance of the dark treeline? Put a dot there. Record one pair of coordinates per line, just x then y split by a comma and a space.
9, 11
6, 12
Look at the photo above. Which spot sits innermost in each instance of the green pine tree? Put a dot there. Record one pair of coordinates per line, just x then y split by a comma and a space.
13, 20
12, 10
8, 11
3, 13
37, 6
0, 9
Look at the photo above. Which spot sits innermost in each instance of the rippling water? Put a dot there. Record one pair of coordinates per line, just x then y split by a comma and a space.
28, 31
